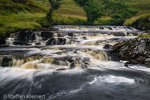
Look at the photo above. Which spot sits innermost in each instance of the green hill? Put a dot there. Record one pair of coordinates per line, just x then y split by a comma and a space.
70, 9
8, 7
140, 21
20, 15
31, 14
142, 5
69, 13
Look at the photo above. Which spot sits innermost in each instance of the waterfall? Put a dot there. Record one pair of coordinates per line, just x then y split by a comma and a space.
71, 62
55, 35
100, 55
77, 46
71, 33
10, 41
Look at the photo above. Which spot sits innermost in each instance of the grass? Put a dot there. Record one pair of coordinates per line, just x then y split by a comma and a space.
21, 21
68, 20
142, 5
103, 21
144, 36
130, 21
44, 4
141, 21
71, 9
21, 15
8, 7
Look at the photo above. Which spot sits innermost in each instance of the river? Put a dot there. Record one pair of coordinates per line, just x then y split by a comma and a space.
70, 63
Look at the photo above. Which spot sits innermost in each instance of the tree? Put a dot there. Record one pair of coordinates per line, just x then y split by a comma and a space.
92, 8
118, 10
55, 4
93, 11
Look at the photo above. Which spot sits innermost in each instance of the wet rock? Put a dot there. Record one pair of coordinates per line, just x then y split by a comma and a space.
119, 34
54, 29
71, 34
85, 38
136, 51
56, 41
16, 42
47, 35
101, 28
38, 43
7, 61
2, 42
25, 36
110, 28
85, 62
61, 68
107, 46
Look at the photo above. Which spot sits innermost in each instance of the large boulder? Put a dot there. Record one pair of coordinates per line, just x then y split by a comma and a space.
6, 61
136, 51
2, 42
25, 36
107, 46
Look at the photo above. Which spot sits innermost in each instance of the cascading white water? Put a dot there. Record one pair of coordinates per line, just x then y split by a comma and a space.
71, 64
88, 43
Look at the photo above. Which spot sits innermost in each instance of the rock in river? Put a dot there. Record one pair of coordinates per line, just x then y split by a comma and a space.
136, 51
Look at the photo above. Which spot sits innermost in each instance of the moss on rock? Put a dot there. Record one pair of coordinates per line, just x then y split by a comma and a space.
136, 51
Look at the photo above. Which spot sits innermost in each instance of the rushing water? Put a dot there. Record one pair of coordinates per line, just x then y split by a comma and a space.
70, 63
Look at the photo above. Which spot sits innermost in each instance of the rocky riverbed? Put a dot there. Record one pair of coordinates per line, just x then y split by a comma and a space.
76, 63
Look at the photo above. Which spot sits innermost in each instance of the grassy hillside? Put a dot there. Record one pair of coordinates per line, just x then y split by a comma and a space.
140, 21
69, 13
31, 14
44, 4
20, 15
69, 10
142, 5
8, 7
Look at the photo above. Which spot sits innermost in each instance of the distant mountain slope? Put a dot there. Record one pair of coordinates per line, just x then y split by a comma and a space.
143, 5
70, 8
14, 6
20, 15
